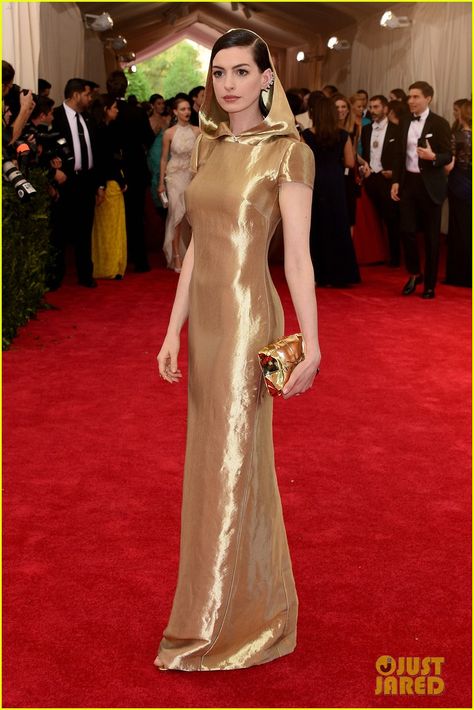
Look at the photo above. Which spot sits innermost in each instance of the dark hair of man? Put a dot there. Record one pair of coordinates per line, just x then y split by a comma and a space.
379, 97
295, 102
43, 105
117, 83
195, 92
91, 84
305, 91
99, 105
424, 87
400, 94
399, 108
323, 114
43, 85
73, 86
363, 91
244, 38
8, 73
154, 97
331, 88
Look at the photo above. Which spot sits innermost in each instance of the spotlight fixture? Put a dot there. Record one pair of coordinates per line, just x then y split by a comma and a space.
99, 23
338, 44
305, 58
132, 69
392, 22
117, 43
127, 58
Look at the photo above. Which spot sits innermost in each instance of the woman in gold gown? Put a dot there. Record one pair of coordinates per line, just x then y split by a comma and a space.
235, 603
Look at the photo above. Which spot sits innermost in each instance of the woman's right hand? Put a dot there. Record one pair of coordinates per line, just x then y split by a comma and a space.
168, 359
161, 188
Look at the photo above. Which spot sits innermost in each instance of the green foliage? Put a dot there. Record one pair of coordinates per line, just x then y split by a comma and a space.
26, 254
176, 69
139, 85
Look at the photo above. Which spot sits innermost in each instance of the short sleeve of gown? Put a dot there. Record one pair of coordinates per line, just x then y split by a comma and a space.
194, 165
297, 165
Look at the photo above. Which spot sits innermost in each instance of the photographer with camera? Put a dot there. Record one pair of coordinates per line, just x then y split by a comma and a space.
17, 104
74, 211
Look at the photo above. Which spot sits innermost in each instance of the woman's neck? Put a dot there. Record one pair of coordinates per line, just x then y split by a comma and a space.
244, 120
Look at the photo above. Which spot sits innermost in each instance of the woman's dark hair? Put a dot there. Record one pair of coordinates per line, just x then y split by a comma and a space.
100, 103
399, 94
244, 38
154, 97
399, 108
323, 114
295, 102
465, 110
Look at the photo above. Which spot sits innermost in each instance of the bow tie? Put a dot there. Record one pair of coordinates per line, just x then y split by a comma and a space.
416, 118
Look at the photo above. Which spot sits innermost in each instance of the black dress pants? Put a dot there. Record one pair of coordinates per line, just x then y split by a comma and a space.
417, 208
135, 221
73, 218
378, 189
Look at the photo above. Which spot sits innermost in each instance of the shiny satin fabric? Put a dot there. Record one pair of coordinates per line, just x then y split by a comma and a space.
235, 603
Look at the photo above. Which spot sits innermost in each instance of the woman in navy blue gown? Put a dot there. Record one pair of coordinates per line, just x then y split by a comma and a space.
332, 250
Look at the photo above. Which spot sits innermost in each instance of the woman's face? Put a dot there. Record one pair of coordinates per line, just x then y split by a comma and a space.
183, 111
456, 112
112, 112
237, 80
159, 106
342, 110
358, 108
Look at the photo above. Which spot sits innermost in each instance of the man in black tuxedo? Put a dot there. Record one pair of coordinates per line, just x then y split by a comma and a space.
73, 214
134, 135
420, 184
380, 142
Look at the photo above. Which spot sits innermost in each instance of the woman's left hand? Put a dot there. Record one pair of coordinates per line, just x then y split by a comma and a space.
302, 377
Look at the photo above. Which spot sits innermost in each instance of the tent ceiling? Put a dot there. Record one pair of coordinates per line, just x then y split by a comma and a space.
151, 26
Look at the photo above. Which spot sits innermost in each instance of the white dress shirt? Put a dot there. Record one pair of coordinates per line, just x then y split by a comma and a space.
379, 129
414, 134
72, 120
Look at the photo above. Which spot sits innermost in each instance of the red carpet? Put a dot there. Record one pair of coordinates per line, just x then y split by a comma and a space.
374, 473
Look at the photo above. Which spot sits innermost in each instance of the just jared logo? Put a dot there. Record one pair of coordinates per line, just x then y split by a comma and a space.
409, 675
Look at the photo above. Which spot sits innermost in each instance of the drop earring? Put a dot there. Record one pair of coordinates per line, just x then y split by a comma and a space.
270, 83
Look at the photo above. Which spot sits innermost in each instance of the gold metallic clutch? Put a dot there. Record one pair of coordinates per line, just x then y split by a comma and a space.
279, 359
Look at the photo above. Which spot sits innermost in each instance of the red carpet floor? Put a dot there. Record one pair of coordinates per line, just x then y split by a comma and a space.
374, 471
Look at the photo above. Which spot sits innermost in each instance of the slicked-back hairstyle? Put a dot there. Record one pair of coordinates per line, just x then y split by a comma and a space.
244, 38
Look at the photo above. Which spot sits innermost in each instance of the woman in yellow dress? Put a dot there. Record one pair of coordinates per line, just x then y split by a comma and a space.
235, 603
109, 235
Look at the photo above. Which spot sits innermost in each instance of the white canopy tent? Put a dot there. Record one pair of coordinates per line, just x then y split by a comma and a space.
49, 40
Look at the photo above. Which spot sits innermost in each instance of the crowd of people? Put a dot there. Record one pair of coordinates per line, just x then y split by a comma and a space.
381, 176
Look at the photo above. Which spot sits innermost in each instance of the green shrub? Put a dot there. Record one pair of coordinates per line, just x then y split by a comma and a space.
26, 254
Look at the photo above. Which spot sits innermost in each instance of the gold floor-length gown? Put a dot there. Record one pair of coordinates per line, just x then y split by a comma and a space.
235, 604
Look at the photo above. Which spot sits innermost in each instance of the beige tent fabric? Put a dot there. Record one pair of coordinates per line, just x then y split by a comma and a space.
435, 48
62, 45
21, 41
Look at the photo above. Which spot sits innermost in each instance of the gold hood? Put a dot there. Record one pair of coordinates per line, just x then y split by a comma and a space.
214, 121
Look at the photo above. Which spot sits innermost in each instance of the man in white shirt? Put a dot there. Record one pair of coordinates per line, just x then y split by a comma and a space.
380, 142
420, 184
74, 211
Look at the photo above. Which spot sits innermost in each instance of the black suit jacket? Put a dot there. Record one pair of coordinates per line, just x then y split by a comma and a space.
438, 133
132, 134
391, 144
61, 126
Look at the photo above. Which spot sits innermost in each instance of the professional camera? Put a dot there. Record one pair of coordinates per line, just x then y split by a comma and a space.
24, 189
